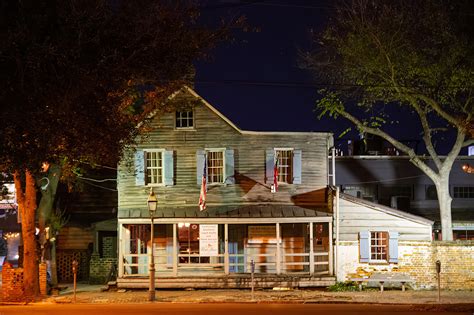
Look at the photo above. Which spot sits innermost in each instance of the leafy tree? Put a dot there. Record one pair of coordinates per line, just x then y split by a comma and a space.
416, 55
76, 78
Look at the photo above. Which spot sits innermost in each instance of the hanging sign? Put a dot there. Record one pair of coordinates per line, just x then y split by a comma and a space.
208, 240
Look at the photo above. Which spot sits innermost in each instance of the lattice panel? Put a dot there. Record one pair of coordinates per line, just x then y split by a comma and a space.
64, 263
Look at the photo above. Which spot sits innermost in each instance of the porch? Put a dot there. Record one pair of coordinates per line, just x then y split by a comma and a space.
219, 252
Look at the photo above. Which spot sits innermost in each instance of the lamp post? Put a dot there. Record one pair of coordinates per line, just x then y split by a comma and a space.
152, 203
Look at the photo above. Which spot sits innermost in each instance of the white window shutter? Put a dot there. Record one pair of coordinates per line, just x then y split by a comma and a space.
393, 247
139, 167
229, 167
297, 166
269, 165
200, 158
364, 246
168, 171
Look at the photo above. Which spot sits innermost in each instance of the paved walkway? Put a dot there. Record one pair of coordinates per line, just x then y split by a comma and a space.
95, 294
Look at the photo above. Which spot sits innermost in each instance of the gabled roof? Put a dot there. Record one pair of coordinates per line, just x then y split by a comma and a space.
186, 88
387, 210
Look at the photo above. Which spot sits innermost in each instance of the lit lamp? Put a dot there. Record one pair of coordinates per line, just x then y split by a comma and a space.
152, 203
468, 168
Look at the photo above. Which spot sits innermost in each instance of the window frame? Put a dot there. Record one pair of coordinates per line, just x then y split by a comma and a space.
289, 166
467, 192
145, 152
212, 150
187, 119
386, 246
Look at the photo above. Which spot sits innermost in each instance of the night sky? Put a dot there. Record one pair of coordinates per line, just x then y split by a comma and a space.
256, 81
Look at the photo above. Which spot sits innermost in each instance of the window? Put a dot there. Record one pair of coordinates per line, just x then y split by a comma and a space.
184, 119
431, 193
378, 246
288, 161
215, 166
366, 192
463, 192
285, 165
154, 167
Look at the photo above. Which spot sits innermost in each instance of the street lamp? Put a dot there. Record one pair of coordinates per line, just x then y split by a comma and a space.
152, 203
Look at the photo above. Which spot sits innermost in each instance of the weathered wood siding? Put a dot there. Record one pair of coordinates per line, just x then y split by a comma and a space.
355, 217
211, 131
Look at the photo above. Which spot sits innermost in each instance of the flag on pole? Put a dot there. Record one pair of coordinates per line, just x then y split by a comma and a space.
202, 195
275, 176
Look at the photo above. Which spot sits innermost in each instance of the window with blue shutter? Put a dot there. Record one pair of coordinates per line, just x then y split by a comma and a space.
139, 158
219, 166
393, 247
364, 246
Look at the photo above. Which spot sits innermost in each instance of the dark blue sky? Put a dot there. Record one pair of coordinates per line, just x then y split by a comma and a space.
256, 81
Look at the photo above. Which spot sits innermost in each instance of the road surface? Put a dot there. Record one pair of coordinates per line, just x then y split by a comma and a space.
226, 309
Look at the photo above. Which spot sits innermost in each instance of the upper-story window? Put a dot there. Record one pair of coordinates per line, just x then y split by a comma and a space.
215, 166
287, 163
184, 119
463, 192
284, 162
154, 167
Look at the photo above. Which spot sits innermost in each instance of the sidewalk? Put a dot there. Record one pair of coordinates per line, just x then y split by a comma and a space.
93, 294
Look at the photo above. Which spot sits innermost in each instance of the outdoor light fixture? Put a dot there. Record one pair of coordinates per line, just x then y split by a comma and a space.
468, 168
152, 203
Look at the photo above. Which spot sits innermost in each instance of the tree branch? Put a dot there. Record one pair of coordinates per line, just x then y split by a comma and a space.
414, 158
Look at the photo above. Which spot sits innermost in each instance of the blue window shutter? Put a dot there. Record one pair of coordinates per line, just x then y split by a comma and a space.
140, 168
269, 165
200, 158
297, 166
364, 246
229, 167
168, 162
393, 247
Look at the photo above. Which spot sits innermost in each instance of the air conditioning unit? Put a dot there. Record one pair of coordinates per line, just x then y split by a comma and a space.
400, 202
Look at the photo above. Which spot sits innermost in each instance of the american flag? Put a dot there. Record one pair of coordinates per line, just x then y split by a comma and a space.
202, 195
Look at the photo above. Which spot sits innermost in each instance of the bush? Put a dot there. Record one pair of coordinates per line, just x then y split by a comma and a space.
343, 287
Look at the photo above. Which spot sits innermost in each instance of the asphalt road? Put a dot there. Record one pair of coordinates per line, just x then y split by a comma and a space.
221, 309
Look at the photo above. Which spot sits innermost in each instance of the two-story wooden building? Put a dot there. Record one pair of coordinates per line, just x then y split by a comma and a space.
287, 233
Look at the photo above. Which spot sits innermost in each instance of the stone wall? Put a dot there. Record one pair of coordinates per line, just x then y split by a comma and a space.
100, 269
418, 259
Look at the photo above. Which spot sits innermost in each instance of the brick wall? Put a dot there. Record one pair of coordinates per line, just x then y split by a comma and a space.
12, 284
418, 259
109, 247
100, 268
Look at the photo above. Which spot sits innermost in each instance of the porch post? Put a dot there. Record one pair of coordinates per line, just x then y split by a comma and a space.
121, 250
278, 249
226, 249
311, 249
175, 251
330, 254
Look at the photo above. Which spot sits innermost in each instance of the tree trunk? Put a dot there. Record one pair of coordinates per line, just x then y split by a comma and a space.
27, 205
442, 189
